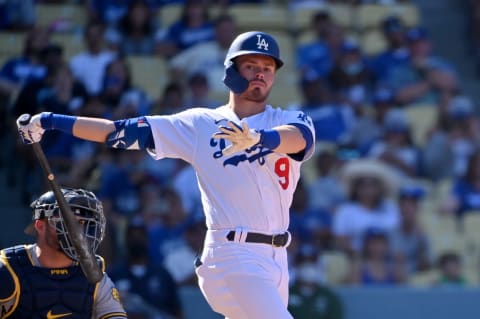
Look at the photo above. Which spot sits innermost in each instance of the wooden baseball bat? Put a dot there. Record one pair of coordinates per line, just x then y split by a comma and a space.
86, 257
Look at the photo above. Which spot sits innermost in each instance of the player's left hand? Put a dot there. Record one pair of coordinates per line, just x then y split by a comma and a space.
241, 138
31, 132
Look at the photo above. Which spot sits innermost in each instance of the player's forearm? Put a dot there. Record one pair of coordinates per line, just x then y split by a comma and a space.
87, 128
291, 140
92, 129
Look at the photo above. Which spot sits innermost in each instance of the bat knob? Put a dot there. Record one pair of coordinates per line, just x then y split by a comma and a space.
24, 119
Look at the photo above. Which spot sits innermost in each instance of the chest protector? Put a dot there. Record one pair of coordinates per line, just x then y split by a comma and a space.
49, 292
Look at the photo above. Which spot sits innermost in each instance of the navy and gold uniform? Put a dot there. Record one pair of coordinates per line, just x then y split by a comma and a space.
28, 290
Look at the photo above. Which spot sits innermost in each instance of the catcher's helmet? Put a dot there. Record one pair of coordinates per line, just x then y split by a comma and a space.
253, 42
87, 209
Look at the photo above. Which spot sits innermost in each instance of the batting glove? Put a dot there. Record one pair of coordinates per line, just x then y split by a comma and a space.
31, 132
241, 138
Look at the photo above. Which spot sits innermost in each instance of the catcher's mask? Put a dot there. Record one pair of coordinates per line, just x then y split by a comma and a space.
87, 209
253, 42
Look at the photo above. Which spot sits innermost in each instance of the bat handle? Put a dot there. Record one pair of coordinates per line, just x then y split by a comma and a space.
24, 119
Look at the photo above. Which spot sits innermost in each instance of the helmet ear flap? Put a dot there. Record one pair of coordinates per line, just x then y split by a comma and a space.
234, 80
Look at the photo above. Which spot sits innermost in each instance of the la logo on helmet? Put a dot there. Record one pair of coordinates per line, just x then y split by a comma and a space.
262, 43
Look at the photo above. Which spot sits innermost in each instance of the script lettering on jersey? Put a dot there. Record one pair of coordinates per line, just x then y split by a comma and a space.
259, 155
262, 43
304, 118
221, 143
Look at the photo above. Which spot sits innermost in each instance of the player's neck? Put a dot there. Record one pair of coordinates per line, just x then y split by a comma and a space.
245, 108
50, 258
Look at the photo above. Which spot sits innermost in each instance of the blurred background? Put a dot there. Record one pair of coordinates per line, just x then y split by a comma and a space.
386, 217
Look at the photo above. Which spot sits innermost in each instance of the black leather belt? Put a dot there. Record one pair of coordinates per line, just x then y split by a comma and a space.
279, 240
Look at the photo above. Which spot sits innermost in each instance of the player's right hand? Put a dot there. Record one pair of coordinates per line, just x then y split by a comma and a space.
31, 132
241, 138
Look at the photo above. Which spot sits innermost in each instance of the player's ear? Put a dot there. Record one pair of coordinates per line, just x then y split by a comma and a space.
40, 226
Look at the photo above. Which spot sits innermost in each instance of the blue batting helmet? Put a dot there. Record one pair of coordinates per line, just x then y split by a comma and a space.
253, 42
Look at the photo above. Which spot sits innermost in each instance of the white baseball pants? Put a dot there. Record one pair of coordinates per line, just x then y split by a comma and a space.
244, 280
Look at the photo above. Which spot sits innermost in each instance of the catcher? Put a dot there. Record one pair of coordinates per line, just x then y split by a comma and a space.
45, 280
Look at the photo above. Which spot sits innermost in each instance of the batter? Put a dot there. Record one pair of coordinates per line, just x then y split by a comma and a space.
247, 155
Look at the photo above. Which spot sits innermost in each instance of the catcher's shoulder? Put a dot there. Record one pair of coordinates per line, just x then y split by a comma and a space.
7, 277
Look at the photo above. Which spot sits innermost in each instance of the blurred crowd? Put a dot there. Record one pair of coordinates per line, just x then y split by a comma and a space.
383, 202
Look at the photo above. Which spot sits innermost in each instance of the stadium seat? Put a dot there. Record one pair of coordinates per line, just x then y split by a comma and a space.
337, 267
72, 44
371, 15
285, 92
148, 73
424, 278
309, 36
266, 17
422, 117
169, 14
11, 44
372, 42
443, 188
471, 275
286, 89
286, 46
64, 17
471, 231
342, 14
445, 234
471, 224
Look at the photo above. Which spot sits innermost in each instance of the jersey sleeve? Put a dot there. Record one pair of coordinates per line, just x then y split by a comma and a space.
174, 135
9, 289
107, 300
299, 118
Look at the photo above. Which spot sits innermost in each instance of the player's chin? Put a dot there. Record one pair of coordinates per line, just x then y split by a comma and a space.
257, 94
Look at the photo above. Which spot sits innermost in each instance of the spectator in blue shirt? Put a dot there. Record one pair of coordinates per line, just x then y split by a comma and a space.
368, 127
193, 27
452, 141
327, 180
332, 119
396, 146
146, 289
465, 193
51, 58
410, 243
121, 98
17, 15
109, 12
376, 266
350, 77
311, 225
135, 33
32, 72
18, 71
167, 220
396, 53
315, 56
426, 78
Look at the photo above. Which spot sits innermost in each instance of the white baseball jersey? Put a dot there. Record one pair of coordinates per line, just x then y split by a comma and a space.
251, 189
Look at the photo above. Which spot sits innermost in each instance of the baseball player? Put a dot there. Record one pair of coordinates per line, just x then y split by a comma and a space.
247, 156
45, 280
